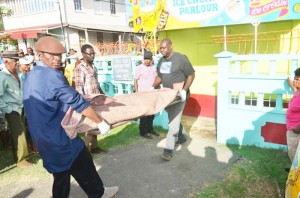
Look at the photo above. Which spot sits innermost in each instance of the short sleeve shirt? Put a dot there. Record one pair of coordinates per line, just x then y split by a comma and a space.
175, 69
293, 112
146, 76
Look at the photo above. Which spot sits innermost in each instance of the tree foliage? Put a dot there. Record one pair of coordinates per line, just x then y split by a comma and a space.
5, 39
4, 11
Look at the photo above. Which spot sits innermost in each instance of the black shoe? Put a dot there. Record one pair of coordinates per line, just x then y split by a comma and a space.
154, 133
166, 156
147, 136
98, 150
178, 142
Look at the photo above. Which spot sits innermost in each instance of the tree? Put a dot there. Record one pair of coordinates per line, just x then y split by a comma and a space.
5, 39
4, 12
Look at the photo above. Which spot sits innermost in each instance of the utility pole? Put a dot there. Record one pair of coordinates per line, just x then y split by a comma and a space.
61, 23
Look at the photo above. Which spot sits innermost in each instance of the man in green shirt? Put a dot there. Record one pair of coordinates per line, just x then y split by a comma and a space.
11, 104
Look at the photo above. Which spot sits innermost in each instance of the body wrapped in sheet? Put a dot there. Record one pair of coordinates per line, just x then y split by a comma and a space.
119, 109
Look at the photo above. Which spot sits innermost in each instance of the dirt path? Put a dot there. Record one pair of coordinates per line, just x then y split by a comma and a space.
140, 172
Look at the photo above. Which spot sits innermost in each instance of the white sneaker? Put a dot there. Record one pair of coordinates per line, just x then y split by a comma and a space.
110, 191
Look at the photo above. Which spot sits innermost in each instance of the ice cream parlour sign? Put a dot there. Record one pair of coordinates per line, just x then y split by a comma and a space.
196, 10
177, 14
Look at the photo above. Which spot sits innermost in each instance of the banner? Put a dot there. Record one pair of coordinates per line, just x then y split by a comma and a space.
150, 15
292, 188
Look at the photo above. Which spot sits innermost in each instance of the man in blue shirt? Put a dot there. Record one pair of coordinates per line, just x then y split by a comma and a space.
47, 96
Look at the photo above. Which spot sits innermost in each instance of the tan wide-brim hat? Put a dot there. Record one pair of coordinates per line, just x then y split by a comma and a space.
50, 45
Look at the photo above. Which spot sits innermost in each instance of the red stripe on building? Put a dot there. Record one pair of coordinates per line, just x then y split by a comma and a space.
201, 105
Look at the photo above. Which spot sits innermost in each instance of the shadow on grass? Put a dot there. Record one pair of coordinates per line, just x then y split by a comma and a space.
259, 173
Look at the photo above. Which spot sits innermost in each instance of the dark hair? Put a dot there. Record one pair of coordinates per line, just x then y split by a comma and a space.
297, 72
84, 47
167, 41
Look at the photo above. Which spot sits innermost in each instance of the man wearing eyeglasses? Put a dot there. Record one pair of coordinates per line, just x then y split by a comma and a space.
86, 83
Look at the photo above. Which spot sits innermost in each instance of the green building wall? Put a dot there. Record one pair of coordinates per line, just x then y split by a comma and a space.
201, 44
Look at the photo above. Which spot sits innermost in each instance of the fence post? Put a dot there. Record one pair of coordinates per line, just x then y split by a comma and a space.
222, 97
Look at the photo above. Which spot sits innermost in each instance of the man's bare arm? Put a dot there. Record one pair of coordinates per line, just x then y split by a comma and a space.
189, 81
91, 114
156, 82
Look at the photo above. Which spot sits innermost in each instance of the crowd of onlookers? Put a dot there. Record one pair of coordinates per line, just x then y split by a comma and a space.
26, 63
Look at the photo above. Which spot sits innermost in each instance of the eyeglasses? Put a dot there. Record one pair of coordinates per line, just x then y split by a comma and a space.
296, 79
90, 54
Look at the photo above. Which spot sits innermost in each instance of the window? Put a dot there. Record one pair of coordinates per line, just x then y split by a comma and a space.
286, 100
106, 87
251, 99
81, 34
270, 100
234, 97
112, 6
24, 7
115, 37
99, 37
77, 4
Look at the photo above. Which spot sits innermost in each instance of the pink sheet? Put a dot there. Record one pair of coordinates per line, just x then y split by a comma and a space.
120, 109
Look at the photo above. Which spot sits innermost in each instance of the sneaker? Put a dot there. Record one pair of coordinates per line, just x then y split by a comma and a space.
147, 136
155, 133
110, 191
98, 150
166, 156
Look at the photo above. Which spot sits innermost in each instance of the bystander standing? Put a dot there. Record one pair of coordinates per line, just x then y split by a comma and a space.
11, 105
144, 78
86, 83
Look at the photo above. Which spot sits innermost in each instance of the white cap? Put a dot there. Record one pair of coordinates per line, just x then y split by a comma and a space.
30, 57
25, 61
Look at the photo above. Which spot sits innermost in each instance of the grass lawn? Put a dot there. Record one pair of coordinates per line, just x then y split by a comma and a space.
259, 172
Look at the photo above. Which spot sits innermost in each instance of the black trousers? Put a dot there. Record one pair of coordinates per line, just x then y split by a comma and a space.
84, 172
146, 124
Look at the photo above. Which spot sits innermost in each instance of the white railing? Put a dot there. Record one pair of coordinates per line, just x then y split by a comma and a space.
253, 95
